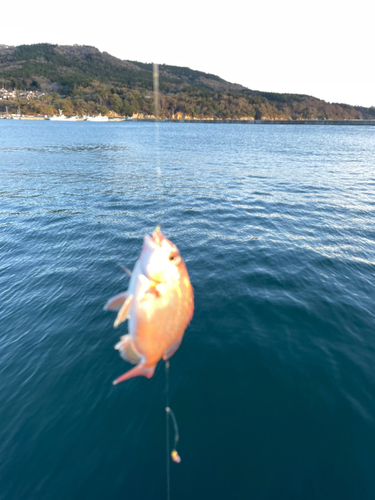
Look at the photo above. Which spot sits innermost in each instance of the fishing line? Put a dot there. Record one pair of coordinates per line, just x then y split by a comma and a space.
167, 423
175, 456
157, 145
168, 412
156, 90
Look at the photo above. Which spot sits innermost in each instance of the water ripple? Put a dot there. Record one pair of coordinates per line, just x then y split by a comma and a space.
274, 380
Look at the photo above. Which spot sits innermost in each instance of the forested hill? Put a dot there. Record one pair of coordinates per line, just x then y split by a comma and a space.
81, 80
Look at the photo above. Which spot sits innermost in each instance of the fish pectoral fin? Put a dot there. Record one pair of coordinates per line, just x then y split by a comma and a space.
115, 303
124, 311
127, 350
172, 349
137, 371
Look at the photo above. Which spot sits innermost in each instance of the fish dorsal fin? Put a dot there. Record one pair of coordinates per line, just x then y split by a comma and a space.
126, 270
124, 311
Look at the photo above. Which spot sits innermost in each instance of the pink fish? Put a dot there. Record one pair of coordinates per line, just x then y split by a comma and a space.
159, 304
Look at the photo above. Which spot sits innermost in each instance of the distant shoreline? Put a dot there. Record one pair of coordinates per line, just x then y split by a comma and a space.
241, 122
269, 122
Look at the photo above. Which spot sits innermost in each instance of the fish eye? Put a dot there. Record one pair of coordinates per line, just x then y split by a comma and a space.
174, 258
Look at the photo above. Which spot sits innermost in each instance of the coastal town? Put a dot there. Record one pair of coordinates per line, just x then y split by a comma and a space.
11, 95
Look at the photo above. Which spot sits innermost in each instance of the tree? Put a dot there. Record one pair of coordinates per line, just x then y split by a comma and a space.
306, 114
126, 109
103, 110
115, 102
67, 107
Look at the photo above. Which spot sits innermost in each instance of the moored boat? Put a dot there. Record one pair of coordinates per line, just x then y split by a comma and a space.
98, 118
61, 118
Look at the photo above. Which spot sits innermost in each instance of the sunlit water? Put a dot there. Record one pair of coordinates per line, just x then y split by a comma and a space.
273, 386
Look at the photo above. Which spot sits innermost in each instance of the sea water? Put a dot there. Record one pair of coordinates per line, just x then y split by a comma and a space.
273, 386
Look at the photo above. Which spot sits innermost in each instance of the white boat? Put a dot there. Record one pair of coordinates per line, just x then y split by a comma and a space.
62, 118
98, 118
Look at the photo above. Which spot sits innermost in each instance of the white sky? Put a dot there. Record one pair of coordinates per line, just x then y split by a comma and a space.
320, 48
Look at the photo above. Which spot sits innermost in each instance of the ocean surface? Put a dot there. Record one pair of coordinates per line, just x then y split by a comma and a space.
273, 386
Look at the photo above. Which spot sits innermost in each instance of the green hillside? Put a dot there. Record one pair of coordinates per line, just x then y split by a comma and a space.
81, 80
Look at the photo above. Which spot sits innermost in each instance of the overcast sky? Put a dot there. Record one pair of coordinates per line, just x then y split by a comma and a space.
320, 48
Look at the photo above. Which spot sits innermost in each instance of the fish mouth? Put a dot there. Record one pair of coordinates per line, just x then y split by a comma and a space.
150, 243
157, 236
154, 240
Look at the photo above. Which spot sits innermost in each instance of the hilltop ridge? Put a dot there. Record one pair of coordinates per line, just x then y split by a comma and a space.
79, 79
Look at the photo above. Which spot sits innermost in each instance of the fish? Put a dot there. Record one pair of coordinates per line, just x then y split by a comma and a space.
158, 304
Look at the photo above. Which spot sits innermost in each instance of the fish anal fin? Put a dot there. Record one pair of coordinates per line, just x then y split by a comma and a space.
115, 303
127, 350
137, 371
124, 311
172, 349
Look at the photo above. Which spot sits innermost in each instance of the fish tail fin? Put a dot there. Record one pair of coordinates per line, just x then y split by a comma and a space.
137, 371
127, 350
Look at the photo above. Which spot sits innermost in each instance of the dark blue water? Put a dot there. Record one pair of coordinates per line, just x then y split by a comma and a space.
273, 386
